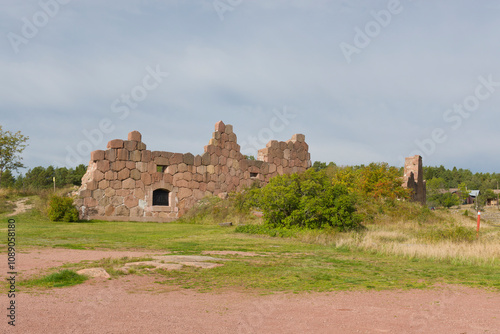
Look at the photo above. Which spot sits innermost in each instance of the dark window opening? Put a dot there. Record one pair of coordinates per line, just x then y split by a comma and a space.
254, 174
161, 169
160, 197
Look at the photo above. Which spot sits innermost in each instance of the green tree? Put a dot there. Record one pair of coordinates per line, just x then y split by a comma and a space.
8, 180
436, 191
448, 200
486, 195
318, 165
77, 174
39, 177
434, 185
380, 180
11, 147
308, 200
463, 192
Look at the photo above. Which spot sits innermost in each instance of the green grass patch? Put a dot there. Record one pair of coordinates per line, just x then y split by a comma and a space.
283, 264
56, 280
328, 270
69, 246
6, 206
266, 230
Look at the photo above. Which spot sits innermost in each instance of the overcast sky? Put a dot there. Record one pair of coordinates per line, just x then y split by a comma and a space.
364, 80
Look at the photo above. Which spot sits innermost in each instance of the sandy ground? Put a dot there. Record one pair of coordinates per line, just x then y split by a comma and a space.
136, 304
21, 207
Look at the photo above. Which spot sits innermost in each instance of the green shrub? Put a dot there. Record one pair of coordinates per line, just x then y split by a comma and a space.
62, 209
308, 200
446, 200
246, 200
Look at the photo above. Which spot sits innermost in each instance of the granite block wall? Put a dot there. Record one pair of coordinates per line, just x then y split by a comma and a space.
127, 182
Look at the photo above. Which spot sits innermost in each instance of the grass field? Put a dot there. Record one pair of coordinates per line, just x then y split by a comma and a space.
307, 262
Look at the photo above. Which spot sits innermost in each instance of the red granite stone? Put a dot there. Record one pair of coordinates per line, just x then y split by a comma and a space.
115, 143
103, 165
135, 135
130, 145
129, 184
110, 155
122, 154
123, 174
220, 126
146, 156
97, 155
131, 201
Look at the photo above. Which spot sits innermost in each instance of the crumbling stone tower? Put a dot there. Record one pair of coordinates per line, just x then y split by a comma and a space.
413, 178
127, 182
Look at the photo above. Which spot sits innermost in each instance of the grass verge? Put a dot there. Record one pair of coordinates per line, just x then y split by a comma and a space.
292, 264
60, 279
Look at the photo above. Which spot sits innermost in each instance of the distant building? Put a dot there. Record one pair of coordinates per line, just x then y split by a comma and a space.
493, 201
471, 199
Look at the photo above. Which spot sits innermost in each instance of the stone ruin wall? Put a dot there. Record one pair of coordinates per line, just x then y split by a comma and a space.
120, 182
413, 178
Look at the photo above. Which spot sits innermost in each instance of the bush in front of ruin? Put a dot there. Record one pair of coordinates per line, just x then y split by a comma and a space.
309, 200
62, 209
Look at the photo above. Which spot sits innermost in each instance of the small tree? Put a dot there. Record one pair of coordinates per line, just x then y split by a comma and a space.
11, 146
448, 200
8, 180
464, 193
379, 180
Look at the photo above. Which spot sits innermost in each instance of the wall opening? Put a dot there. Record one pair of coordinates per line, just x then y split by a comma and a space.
160, 197
161, 168
254, 174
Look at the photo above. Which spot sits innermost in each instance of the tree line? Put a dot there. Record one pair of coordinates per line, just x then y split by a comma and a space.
440, 180
42, 178
12, 145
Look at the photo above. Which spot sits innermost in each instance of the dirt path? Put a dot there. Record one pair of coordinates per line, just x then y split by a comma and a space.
21, 207
136, 304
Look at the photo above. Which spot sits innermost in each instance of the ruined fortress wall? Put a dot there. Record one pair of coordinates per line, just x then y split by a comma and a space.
123, 182
413, 178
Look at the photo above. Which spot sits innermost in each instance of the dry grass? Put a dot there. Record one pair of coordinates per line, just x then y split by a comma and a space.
453, 240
